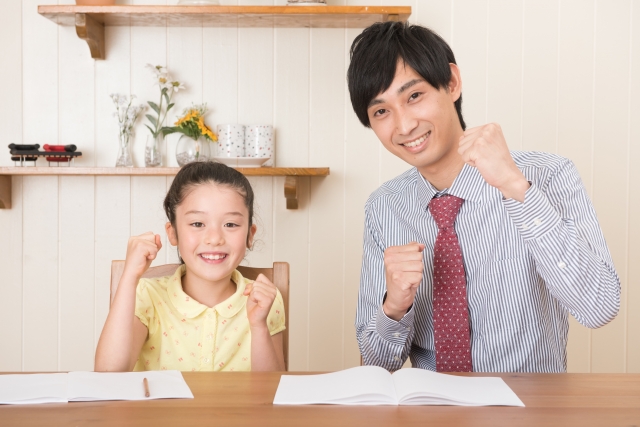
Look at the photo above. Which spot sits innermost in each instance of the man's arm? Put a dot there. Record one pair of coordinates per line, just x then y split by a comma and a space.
559, 226
383, 341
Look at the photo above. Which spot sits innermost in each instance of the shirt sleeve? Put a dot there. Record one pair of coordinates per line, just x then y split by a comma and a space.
145, 310
276, 317
559, 226
383, 341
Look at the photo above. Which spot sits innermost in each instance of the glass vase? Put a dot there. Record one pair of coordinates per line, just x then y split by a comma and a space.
192, 150
152, 154
124, 159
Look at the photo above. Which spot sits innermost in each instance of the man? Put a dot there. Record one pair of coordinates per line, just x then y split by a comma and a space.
473, 258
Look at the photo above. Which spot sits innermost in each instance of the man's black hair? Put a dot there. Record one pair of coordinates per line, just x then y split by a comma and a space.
374, 58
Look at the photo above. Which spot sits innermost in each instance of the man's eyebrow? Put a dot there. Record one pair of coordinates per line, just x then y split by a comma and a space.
404, 87
407, 85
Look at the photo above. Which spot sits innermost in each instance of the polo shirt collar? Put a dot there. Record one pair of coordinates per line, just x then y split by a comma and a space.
191, 308
468, 185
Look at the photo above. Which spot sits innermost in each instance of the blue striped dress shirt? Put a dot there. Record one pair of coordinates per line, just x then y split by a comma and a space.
527, 265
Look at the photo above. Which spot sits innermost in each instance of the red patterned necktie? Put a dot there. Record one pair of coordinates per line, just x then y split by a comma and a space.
450, 310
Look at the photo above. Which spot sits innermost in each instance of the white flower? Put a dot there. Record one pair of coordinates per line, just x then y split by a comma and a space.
177, 86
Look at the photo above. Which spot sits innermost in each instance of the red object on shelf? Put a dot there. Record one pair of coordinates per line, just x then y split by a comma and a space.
48, 147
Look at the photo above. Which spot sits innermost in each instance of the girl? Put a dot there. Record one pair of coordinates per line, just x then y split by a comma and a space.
206, 316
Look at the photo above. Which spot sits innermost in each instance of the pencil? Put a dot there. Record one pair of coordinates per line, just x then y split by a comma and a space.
146, 387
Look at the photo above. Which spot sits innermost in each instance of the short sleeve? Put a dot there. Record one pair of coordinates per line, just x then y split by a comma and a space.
276, 318
144, 306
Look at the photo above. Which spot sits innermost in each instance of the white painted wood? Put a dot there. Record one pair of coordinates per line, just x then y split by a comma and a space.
147, 213
261, 254
112, 231
504, 80
469, 44
575, 131
611, 139
540, 76
11, 304
633, 276
77, 273
40, 274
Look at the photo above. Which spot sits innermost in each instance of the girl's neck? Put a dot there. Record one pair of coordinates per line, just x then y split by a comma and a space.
207, 292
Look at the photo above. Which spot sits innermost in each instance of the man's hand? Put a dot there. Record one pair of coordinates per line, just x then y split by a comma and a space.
141, 251
403, 270
485, 148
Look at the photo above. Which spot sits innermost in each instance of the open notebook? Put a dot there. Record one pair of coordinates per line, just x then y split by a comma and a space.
89, 386
372, 385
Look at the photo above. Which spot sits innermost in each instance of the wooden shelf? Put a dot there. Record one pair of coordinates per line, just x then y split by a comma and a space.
290, 185
91, 20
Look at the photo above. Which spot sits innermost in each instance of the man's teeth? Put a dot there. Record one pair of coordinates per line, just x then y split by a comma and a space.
212, 257
417, 141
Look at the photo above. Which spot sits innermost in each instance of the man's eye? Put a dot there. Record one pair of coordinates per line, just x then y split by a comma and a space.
379, 112
197, 224
415, 95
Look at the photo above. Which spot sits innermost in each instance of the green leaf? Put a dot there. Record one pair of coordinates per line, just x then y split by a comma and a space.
166, 97
154, 106
170, 105
152, 132
152, 119
166, 130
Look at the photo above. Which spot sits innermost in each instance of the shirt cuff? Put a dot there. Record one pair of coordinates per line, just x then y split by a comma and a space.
535, 216
395, 332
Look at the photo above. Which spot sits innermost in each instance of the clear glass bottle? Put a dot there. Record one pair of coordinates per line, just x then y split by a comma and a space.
192, 150
124, 159
152, 153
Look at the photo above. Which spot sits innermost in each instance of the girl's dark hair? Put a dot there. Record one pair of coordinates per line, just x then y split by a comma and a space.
374, 58
196, 173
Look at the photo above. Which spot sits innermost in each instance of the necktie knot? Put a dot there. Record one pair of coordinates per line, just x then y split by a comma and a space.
445, 210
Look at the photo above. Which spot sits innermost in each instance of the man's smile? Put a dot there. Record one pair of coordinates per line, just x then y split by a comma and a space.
417, 144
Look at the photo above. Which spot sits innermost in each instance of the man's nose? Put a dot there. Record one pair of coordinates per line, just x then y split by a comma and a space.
405, 122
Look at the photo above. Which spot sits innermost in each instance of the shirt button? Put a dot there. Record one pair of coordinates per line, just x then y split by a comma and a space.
562, 264
396, 358
537, 221
396, 334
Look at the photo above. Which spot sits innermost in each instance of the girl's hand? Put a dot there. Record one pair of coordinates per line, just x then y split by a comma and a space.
141, 250
261, 294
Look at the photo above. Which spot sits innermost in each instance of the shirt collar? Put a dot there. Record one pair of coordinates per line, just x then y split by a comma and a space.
468, 185
191, 308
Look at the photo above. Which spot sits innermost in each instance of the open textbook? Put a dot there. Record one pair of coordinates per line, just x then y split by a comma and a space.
90, 386
372, 385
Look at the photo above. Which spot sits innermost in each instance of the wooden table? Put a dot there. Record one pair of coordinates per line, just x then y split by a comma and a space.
245, 399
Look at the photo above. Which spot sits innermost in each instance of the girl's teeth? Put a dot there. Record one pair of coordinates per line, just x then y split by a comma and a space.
213, 257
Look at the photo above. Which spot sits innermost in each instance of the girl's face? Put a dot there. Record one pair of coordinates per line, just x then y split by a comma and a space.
212, 225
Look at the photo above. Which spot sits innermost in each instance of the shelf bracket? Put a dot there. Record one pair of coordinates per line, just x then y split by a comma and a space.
91, 31
393, 17
5, 191
291, 191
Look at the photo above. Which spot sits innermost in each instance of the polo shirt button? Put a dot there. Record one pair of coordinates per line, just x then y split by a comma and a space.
206, 360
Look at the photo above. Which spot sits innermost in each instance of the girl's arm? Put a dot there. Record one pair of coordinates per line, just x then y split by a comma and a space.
124, 334
266, 350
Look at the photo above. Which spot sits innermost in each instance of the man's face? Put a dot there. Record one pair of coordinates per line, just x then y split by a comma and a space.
418, 122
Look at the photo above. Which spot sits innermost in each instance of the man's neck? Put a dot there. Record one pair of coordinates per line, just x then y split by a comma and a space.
441, 176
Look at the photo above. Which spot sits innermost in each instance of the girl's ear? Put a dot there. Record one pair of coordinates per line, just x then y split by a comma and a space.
252, 233
171, 234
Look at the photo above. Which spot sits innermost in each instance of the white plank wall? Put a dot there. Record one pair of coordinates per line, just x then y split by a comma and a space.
558, 75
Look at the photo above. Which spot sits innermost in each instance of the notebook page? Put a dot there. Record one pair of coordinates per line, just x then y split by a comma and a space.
89, 386
422, 387
16, 389
364, 385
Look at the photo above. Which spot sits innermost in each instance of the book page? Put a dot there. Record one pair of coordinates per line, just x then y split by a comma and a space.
16, 389
422, 387
90, 386
364, 385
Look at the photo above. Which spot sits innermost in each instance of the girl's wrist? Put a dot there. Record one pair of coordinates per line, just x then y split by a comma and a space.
260, 328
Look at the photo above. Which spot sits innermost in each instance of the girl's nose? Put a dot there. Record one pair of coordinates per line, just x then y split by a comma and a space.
214, 237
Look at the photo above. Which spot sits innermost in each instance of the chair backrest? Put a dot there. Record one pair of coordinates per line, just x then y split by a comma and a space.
278, 274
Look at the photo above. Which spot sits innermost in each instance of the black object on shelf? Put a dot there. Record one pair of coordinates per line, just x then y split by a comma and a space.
29, 153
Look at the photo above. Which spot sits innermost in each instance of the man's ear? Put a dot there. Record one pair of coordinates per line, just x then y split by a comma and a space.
171, 234
455, 83
252, 233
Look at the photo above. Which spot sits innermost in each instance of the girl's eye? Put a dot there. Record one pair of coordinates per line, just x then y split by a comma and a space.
231, 224
197, 224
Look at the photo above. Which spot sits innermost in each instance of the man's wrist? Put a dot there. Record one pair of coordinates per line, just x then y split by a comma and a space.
516, 189
393, 313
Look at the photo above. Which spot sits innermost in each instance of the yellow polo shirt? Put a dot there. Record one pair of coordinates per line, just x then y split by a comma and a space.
188, 336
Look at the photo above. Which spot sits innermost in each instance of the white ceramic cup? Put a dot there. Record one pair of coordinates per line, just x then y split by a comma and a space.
230, 140
258, 141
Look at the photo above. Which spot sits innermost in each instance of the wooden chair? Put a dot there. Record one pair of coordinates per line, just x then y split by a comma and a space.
278, 274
